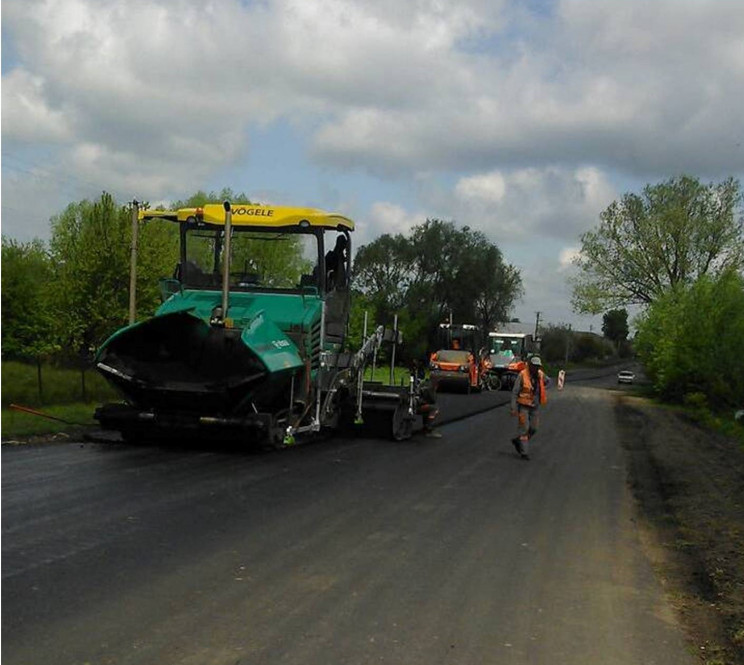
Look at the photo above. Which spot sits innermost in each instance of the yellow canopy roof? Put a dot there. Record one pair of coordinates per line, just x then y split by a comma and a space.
244, 214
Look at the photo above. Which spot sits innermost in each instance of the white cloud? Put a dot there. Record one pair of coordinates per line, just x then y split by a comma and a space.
535, 216
513, 206
26, 114
488, 188
615, 84
385, 217
527, 110
394, 86
547, 291
567, 256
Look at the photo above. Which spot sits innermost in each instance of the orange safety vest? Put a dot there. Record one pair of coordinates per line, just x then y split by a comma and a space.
526, 395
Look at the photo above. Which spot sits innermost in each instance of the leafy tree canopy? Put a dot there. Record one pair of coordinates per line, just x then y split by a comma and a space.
200, 198
29, 327
691, 341
90, 248
436, 270
615, 325
671, 234
559, 343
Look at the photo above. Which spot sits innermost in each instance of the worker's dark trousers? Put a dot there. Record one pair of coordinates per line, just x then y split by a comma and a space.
528, 419
429, 412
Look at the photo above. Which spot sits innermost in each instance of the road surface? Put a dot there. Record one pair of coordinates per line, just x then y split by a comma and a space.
341, 552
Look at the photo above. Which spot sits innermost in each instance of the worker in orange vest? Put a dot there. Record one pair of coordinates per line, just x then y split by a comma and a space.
528, 394
427, 403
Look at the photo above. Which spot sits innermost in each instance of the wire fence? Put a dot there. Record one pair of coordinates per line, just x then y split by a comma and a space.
45, 384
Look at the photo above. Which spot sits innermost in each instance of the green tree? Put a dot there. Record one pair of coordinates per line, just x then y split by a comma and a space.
588, 346
615, 326
382, 272
360, 304
691, 340
437, 250
30, 329
90, 247
384, 286
671, 234
556, 343
500, 286
201, 197
460, 272
437, 270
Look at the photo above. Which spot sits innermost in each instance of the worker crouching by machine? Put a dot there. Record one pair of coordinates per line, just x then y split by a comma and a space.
427, 404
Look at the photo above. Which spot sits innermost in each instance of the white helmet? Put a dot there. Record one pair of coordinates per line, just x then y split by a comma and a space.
535, 360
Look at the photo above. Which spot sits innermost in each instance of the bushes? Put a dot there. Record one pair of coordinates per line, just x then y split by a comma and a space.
560, 343
591, 347
691, 340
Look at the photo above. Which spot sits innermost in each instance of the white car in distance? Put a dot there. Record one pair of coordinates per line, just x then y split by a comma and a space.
625, 376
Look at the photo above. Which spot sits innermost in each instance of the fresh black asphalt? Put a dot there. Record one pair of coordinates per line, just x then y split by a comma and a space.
429, 551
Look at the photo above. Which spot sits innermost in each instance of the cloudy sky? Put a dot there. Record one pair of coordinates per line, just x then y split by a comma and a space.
520, 119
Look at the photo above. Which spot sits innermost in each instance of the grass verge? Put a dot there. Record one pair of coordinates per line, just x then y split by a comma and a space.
17, 424
58, 385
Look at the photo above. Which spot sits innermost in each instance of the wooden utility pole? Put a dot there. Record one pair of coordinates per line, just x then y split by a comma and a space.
133, 264
226, 255
392, 356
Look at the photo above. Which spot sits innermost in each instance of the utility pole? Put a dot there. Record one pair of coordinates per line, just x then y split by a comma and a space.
133, 263
568, 342
226, 256
392, 357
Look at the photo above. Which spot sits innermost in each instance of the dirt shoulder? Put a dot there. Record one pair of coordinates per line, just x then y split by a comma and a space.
689, 487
